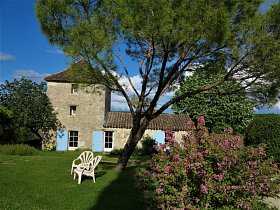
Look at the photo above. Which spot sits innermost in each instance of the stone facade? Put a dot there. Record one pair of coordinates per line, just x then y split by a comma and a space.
121, 136
86, 117
91, 104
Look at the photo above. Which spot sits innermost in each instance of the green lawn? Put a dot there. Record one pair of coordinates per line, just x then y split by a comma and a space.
44, 182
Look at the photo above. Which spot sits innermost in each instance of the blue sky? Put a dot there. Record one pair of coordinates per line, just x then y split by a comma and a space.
24, 51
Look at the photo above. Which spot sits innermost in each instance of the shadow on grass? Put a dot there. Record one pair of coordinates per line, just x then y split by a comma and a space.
97, 175
121, 193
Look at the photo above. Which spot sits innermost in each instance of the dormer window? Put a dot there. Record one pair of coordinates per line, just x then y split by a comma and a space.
73, 110
74, 89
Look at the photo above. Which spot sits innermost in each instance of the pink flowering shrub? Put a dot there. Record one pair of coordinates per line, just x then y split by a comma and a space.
200, 174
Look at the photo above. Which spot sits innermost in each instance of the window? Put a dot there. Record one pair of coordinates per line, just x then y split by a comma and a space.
73, 140
169, 135
108, 141
74, 89
73, 110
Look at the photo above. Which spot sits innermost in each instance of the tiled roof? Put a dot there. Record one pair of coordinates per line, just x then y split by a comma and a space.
74, 73
177, 122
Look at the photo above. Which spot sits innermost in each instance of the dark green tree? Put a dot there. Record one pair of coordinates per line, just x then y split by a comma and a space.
265, 129
6, 117
30, 106
220, 110
164, 38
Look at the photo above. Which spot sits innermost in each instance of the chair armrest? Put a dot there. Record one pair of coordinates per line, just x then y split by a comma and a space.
84, 166
74, 161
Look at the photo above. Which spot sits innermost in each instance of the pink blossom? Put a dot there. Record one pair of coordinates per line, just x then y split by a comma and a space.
167, 168
200, 121
202, 141
203, 189
196, 200
176, 157
230, 130
252, 163
262, 152
219, 177
199, 155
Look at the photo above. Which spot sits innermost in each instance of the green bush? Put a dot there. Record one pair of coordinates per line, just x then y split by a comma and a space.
116, 152
148, 145
18, 149
265, 129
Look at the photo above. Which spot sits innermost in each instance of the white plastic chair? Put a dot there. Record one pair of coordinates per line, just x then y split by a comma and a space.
88, 171
83, 160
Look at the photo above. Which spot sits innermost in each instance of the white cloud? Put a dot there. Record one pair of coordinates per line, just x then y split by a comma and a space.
57, 52
136, 81
118, 102
6, 57
29, 74
277, 105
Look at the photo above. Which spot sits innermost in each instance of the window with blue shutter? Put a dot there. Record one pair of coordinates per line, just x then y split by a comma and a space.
62, 140
97, 141
159, 136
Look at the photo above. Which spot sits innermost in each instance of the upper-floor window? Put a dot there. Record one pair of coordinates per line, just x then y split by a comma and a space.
74, 89
73, 110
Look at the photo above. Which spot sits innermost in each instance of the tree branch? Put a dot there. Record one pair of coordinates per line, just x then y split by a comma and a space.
130, 105
125, 69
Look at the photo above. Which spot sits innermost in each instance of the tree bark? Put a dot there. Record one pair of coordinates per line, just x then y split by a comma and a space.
135, 136
37, 133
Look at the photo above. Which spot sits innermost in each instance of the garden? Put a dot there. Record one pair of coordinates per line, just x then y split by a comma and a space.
32, 179
197, 173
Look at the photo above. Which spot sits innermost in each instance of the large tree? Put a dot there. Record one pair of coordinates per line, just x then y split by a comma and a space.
220, 111
30, 106
165, 38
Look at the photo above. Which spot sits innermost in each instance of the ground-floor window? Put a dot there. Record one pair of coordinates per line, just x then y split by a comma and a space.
108, 141
73, 140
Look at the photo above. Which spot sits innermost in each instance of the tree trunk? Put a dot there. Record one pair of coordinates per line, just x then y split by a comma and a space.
37, 133
135, 136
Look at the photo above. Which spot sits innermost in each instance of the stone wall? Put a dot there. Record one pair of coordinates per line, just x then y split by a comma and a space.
121, 136
91, 103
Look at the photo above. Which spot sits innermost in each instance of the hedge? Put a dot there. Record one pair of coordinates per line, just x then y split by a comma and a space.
265, 128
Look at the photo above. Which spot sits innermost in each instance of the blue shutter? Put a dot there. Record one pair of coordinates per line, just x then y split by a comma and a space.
62, 140
159, 137
97, 141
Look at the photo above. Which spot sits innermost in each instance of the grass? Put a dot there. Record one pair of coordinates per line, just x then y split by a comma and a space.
18, 149
43, 181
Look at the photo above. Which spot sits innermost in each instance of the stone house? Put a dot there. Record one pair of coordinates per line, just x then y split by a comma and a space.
88, 122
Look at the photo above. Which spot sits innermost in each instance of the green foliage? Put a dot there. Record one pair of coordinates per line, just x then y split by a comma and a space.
6, 122
148, 145
202, 174
6, 117
116, 152
18, 149
31, 107
220, 110
165, 38
265, 129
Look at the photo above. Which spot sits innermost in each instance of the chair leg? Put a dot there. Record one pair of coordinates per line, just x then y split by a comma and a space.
93, 177
80, 178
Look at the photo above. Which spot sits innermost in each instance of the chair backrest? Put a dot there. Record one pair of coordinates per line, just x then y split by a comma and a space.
95, 161
86, 157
